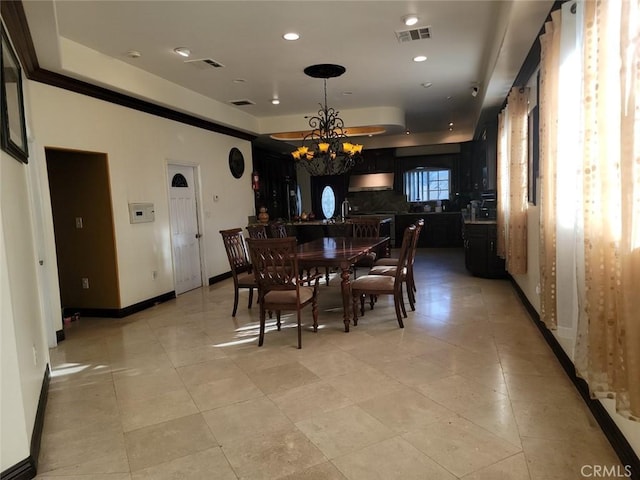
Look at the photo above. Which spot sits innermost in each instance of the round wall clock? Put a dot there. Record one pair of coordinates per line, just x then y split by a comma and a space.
236, 162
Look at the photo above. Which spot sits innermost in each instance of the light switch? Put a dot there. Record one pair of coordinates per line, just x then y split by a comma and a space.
78, 222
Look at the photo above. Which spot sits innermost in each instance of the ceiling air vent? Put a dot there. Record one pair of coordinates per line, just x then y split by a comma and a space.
204, 63
413, 34
241, 103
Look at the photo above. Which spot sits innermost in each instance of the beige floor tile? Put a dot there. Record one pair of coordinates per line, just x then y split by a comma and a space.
182, 336
459, 359
460, 446
512, 468
332, 363
78, 374
380, 353
416, 371
404, 410
190, 356
309, 400
529, 363
323, 471
541, 388
69, 447
207, 464
497, 418
562, 459
135, 364
541, 420
490, 376
270, 455
260, 359
210, 371
62, 416
282, 377
226, 391
167, 441
244, 419
344, 430
132, 388
139, 345
99, 476
457, 393
90, 396
358, 385
158, 409
392, 458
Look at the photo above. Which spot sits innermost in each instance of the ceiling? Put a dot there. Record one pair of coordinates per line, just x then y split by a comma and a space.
475, 43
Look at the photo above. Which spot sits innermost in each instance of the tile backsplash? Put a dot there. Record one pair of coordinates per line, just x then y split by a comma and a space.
379, 201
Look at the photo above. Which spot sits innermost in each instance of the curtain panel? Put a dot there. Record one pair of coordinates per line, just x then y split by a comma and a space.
607, 347
513, 181
548, 103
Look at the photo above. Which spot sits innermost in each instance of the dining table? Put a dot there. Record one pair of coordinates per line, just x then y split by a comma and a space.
340, 253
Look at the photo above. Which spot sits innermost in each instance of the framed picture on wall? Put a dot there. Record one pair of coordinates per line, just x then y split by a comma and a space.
13, 132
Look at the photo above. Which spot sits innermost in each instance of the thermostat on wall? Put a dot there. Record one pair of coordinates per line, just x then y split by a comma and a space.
141, 212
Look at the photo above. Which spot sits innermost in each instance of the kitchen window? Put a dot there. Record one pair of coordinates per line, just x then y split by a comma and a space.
423, 184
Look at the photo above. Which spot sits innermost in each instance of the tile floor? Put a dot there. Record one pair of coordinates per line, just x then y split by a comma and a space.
467, 390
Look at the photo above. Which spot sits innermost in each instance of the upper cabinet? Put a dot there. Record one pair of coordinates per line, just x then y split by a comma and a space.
375, 161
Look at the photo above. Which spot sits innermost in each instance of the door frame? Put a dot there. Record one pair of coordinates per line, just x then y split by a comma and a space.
199, 216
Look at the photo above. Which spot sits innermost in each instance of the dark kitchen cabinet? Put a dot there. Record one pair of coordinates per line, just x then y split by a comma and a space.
440, 229
375, 161
480, 258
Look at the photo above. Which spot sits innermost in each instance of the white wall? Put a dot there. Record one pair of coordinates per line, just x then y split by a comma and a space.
139, 146
24, 346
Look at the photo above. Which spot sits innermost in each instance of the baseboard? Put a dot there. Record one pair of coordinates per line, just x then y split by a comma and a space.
28, 468
219, 278
119, 312
618, 441
25, 470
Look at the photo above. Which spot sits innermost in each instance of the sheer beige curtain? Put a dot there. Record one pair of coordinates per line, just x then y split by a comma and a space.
608, 342
548, 104
512, 181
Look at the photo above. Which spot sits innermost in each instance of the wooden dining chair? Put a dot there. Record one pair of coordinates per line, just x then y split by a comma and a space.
368, 227
376, 285
275, 267
257, 231
241, 271
278, 230
387, 266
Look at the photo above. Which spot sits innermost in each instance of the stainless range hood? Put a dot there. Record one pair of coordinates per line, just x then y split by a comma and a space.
371, 182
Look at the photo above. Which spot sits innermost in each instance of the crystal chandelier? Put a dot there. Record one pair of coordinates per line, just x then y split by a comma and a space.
325, 149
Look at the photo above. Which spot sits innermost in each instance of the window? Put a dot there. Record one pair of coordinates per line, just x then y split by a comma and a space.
328, 202
424, 184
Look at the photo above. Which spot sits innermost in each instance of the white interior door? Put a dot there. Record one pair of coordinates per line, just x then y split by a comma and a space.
185, 234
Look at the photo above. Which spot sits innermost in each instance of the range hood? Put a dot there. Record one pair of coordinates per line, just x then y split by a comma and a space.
371, 182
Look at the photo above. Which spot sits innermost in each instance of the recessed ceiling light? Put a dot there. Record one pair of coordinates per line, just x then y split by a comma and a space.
420, 58
410, 20
238, 80
182, 51
133, 54
427, 84
347, 93
291, 36
275, 101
